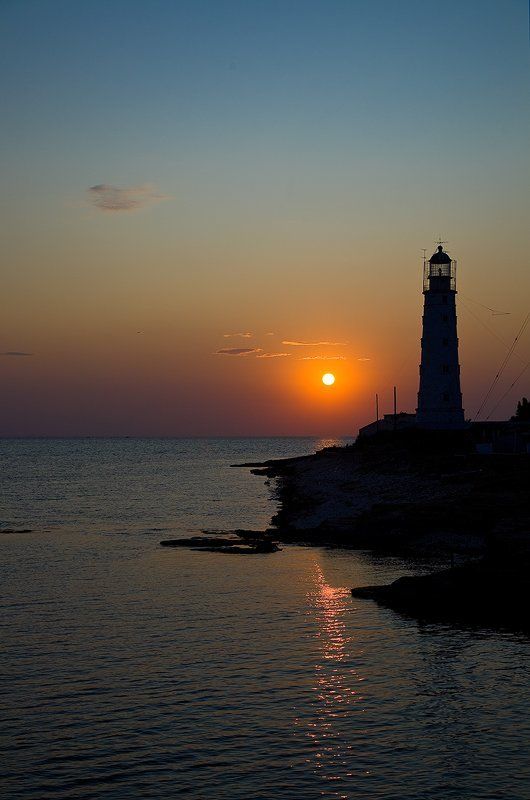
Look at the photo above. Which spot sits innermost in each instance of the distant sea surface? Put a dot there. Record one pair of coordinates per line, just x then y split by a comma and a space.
129, 671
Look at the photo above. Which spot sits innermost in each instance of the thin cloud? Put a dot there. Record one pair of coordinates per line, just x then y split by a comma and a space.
237, 351
124, 198
314, 344
323, 358
16, 353
241, 335
270, 334
274, 355
364, 359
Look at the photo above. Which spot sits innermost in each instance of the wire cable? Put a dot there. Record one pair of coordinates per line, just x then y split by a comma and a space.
490, 330
503, 365
487, 328
493, 311
507, 392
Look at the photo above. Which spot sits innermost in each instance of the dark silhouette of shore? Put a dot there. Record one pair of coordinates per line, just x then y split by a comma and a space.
417, 494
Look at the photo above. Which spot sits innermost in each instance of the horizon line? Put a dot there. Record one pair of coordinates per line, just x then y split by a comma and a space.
11, 437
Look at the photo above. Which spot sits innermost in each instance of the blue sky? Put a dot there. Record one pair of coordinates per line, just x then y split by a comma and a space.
114, 84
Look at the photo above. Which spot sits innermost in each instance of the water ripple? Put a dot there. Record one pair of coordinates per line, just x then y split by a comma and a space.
130, 671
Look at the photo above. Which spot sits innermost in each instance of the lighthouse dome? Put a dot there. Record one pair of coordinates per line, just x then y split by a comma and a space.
439, 257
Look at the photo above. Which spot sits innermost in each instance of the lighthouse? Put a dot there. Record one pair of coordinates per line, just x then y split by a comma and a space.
439, 396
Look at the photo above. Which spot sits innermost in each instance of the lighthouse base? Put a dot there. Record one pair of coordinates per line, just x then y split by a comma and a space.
441, 419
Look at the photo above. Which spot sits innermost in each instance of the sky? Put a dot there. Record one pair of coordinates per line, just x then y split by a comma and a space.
207, 205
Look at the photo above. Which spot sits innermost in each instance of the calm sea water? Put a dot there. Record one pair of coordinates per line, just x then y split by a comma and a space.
132, 671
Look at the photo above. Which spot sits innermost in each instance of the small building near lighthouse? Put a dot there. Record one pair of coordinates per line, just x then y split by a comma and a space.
439, 395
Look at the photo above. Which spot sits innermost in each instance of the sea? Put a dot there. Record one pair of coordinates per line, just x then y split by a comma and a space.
129, 670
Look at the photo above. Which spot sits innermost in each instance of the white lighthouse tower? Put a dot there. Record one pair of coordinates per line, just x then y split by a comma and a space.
439, 396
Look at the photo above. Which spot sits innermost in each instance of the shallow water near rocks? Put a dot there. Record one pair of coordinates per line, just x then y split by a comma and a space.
129, 670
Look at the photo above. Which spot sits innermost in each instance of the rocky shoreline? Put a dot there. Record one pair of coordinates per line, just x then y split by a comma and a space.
416, 494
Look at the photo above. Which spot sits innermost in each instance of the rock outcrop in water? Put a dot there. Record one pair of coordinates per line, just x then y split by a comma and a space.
483, 591
239, 542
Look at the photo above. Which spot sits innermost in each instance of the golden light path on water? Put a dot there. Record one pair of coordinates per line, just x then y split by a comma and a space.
336, 684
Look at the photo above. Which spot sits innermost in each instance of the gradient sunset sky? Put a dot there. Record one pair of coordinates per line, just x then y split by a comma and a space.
206, 205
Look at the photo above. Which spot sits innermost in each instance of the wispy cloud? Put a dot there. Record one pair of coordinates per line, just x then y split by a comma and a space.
124, 198
323, 358
270, 334
364, 359
237, 351
273, 355
314, 344
241, 335
16, 353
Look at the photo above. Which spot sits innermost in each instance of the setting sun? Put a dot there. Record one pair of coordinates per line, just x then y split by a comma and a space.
328, 379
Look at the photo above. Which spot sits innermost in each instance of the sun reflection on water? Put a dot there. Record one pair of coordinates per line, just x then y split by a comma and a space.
329, 442
337, 698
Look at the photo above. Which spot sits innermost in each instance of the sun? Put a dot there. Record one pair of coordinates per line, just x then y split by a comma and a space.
328, 379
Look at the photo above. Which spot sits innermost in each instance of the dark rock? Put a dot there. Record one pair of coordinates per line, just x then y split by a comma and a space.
480, 591
246, 550
17, 530
248, 542
198, 542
